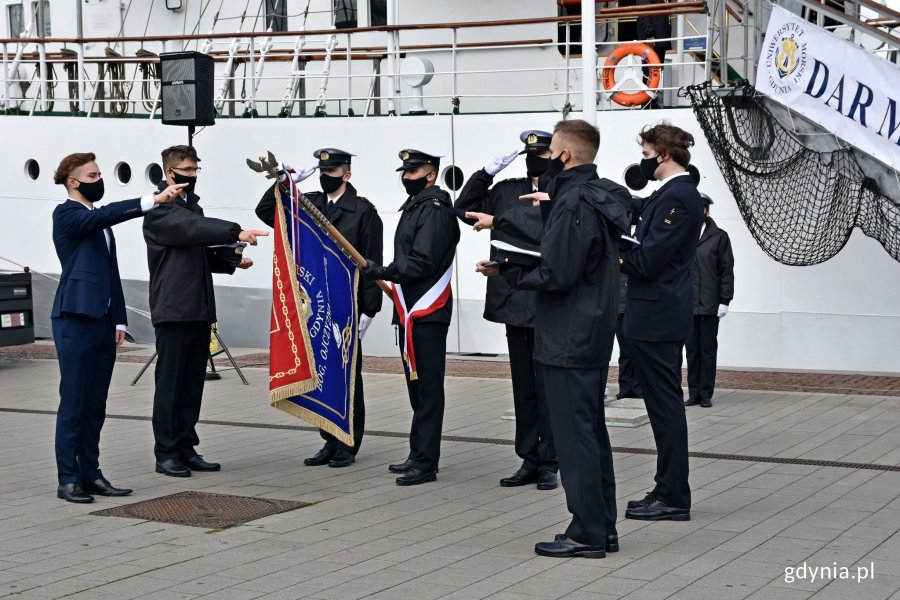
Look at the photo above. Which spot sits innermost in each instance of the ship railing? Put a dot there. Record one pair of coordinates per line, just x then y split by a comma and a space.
111, 89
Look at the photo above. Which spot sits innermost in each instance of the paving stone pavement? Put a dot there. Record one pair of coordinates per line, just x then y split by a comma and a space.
758, 528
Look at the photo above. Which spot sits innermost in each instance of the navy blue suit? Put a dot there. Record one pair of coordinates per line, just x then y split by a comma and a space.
658, 319
89, 303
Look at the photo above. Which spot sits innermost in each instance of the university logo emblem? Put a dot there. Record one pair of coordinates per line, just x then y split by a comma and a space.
786, 62
785, 57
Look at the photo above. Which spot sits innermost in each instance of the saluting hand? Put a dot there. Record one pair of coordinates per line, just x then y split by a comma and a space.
500, 162
250, 236
482, 220
169, 194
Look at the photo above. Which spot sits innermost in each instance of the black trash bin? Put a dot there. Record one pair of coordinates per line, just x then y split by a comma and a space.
16, 309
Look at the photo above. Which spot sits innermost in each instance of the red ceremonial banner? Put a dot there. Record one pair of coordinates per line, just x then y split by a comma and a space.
291, 363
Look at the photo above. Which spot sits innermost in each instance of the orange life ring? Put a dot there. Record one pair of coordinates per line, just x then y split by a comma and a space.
608, 74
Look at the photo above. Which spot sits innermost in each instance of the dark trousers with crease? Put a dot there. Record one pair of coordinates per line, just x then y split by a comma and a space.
426, 393
86, 350
359, 414
701, 349
658, 367
629, 386
578, 419
182, 351
534, 437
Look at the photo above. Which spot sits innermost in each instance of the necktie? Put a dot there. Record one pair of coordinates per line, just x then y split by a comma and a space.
329, 210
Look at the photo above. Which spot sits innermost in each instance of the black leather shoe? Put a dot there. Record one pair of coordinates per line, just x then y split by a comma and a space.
563, 547
691, 402
403, 467
706, 403
547, 480
102, 487
73, 492
612, 541
322, 457
172, 467
341, 458
521, 477
658, 511
196, 463
642, 502
623, 395
415, 476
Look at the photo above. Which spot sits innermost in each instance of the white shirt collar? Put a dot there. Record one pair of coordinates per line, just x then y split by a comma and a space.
671, 177
336, 198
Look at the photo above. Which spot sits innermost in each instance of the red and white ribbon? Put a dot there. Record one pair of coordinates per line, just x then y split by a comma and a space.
434, 299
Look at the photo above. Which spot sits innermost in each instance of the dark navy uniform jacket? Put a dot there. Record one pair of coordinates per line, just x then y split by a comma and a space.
424, 247
503, 303
659, 304
90, 282
577, 280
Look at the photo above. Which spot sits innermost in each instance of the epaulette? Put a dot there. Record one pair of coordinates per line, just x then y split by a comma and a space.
367, 201
512, 180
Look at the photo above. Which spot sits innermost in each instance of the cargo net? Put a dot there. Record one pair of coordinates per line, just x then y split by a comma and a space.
800, 205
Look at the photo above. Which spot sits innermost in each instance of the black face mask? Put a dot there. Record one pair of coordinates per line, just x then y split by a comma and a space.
191, 181
329, 183
555, 166
648, 168
536, 165
93, 190
414, 186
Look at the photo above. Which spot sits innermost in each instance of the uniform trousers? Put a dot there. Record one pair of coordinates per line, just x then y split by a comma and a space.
426, 394
629, 386
86, 349
658, 367
578, 419
701, 349
534, 437
182, 351
359, 414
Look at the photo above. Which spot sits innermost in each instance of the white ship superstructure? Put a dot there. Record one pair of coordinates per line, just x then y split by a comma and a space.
460, 79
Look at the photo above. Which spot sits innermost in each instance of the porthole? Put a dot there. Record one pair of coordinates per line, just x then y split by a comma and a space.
123, 173
32, 169
154, 173
453, 177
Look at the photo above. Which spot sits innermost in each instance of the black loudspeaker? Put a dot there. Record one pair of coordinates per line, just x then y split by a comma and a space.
188, 92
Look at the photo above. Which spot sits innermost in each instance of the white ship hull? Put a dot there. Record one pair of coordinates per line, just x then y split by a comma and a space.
840, 315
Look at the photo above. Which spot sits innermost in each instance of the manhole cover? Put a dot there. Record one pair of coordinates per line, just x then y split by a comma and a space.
200, 509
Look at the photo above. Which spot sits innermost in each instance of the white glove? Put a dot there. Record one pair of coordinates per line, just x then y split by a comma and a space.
723, 310
298, 175
364, 322
500, 162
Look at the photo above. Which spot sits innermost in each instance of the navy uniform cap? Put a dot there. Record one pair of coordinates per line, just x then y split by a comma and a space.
535, 140
416, 158
330, 158
706, 199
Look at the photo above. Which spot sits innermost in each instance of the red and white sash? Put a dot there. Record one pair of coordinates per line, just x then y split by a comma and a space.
433, 300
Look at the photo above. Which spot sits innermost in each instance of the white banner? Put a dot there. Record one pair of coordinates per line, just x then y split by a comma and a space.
849, 91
